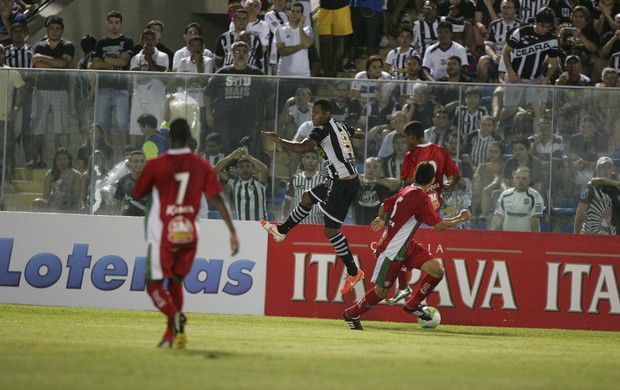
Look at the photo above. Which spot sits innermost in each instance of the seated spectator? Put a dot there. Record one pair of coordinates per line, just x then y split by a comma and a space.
436, 55
62, 186
545, 144
610, 41
585, 148
467, 116
85, 151
519, 208
374, 189
461, 13
248, 190
396, 59
302, 182
488, 178
441, 129
604, 23
605, 103
456, 200
296, 111
376, 117
455, 146
363, 88
573, 103
347, 109
421, 107
413, 67
446, 94
213, 148
522, 157
580, 39
478, 142
392, 163
598, 211
157, 141
397, 125
124, 201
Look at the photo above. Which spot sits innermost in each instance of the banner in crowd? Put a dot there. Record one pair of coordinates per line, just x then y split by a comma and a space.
543, 280
85, 261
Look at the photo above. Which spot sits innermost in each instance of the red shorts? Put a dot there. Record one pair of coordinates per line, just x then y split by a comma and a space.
386, 270
166, 262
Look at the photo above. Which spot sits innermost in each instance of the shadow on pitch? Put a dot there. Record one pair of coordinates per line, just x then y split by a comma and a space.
209, 355
415, 329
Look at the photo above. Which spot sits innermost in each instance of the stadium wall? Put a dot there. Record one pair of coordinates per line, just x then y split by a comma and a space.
543, 280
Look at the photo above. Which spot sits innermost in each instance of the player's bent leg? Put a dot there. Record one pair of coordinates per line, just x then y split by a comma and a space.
434, 273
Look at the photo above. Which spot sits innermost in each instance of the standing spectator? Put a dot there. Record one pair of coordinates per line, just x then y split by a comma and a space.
9, 16
545, 144
335, 196
524, 56
158, 27
520, 208
333, 25
149, 93
304, 181
396, 255
124, 201
499, 30
425, 29
51, 95
19, 55
367, 17
234, 101
113, 53
12, 88
275, 19
437, 54
256, 26
248, 190
292, 43
157, 141
91, 198
396, 59
191, 30
178, 179
224, 44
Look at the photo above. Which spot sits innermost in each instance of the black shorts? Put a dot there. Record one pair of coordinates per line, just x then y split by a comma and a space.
334, 197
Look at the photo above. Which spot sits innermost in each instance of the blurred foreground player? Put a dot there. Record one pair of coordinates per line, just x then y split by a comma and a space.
174, 183
410, 208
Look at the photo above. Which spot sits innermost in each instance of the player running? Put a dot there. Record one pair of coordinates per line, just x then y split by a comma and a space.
397, 248
174, 183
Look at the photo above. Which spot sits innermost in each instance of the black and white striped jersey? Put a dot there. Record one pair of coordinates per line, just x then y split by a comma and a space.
334, 145
529, 8
468, 122
301, 183
398, 60
249, 198
530, 51
499, 31
424, 34
223, 49
18, 57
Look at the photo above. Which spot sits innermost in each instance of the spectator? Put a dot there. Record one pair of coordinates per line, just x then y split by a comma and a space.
523, 56
397, 125
367, 17
376, 118
296, 111
248, 190
9, 17
213, 148
256, 26
580, 39
564, 11
519, 208
62, 186
158, 27
304, 181
413, 67
573, 103
124, 201
478, 142
191, 30
605, 101
275, 19
421, 107
458, 199
523, 158
333, 25
347, 109
374, 189
234, 102
455, 146
487, 179
425, 29
292, 43
445, 94
94, 136
599, 208
224, 44
51, 94
113, 53
604, 23
545, 144
585, 148
157, 140
528, 10
467, 117
499, 29
149, 93
436, 55
396, 59
461, 13
441, 129
362, 88
610, 49
392, 163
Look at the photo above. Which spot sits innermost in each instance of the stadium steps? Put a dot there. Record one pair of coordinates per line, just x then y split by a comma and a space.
28, 185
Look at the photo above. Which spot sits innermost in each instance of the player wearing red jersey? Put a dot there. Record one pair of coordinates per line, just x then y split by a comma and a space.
409, 208
421, 151
174, 183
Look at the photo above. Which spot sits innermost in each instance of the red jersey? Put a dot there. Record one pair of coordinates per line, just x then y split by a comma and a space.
410, 207
175, 182
434, 154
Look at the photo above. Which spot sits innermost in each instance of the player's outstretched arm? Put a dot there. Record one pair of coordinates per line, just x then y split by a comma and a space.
222, 207
296, 147
446, 223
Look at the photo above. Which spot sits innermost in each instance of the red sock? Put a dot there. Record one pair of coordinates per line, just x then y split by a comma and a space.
403, 279
161, 299
169, 334
364, 304
427, 285
176, 293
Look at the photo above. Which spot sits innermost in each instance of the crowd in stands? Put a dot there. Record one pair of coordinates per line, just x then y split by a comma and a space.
452, 65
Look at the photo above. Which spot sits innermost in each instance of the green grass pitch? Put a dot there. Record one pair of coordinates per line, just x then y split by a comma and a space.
72, 348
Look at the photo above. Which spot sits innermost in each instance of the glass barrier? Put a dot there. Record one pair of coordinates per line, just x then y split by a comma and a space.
74, 141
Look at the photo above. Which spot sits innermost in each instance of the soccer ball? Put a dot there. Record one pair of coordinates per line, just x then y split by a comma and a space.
436, 318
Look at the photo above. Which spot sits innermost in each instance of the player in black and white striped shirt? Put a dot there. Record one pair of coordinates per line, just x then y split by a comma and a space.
524, 57
334, 196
